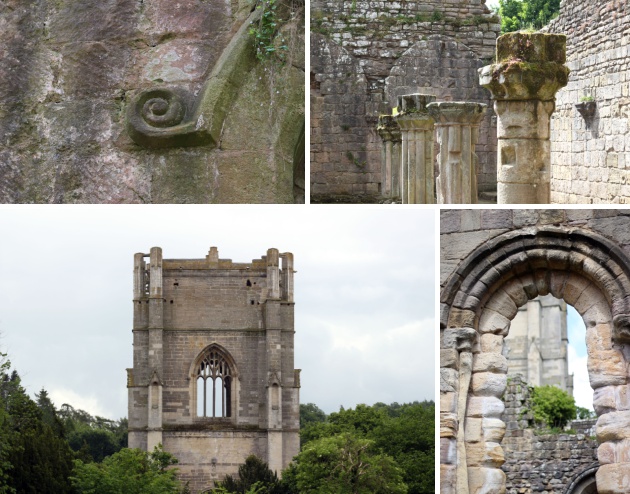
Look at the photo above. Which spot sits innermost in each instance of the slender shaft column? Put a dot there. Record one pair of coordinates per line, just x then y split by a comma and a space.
416, 126
456, 361
523, 84
457, 125
390, 156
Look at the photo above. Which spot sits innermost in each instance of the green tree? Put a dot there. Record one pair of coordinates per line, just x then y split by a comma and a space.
519, 14
254, 477
92, 437
408, 436
41, 461
552, 406
311, 413
129, 471
348, 464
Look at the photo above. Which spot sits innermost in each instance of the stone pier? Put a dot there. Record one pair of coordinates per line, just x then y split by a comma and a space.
389, 131
416, 126
524, 81
457, 125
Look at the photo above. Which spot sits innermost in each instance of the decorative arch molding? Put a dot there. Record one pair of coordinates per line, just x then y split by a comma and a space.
535, 258
478, 302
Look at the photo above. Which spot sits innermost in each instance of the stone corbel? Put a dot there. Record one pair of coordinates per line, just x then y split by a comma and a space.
163, 117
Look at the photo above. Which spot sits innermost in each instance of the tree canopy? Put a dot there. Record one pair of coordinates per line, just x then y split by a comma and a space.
526, 14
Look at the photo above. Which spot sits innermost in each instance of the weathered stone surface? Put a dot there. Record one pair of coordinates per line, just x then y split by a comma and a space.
457, 130
613, 479
67, 86
493, 430
485, 407
488, 384
490, 362
486, 480
606, 368
484, 454
613, 426
491, 343
493, 322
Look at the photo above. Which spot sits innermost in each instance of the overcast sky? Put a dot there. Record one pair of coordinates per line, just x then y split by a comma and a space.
364, 292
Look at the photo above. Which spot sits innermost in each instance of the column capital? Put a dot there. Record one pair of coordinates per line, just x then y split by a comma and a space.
457, 112
529, 66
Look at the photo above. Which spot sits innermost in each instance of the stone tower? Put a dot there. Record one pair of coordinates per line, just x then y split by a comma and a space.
213, 377
536, 346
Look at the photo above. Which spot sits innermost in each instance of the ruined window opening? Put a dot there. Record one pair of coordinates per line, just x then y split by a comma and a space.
171, 301
214, 386
176, 284
252, 302
147, 284
249, 283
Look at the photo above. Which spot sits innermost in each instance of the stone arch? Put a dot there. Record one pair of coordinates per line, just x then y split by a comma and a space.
584, 482
447, 69
479, 300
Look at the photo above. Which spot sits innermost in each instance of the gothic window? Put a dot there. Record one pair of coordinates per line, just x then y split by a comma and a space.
214, 385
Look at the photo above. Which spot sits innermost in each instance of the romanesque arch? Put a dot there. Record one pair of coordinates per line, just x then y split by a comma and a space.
478, 301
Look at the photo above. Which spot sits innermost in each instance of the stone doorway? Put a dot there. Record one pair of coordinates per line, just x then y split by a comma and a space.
481, 293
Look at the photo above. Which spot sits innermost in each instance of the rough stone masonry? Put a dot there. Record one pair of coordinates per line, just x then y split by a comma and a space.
213, 377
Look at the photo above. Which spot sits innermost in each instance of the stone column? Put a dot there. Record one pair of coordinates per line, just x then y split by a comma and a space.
524, 81
416, 126
457, 125
389, 131
456, 362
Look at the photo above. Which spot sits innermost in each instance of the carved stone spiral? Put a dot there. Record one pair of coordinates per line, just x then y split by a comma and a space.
161, 108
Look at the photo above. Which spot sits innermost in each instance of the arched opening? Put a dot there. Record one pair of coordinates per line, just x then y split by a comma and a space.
213, 377
479, 301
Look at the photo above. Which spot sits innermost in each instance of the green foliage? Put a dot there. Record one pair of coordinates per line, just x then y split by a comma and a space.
310, 413
35, 457
264, 32
93, 438
254, 477
520, 14
129, 471
586, 99
552, 406
584, 413
345, 463
403, 432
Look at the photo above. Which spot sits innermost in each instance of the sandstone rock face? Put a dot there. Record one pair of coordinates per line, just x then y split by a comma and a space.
582, 257
70, 71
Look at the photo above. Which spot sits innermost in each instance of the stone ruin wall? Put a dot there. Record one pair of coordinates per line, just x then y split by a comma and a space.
591, 157
542, 462
364, 54
68, 70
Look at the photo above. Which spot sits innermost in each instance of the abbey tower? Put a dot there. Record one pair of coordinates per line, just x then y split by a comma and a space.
213, 377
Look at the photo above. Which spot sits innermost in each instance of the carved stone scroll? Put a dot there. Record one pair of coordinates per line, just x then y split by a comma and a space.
164, 117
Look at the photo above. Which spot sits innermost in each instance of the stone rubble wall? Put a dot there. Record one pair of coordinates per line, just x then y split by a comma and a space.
431, 47
591, 157
542, 462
